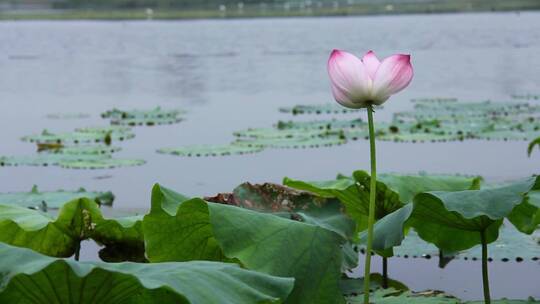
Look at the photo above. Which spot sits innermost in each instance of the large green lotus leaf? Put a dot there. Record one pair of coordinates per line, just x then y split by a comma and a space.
47, 137
34, 278
389, 231
274, 245
393, 190
328, 108
121, 230
453, 220
43, 200
38, 231
293, 142
342, 188
408, 185
122, 237
296, 205
178, 229
259, 241
526, 216
210, 150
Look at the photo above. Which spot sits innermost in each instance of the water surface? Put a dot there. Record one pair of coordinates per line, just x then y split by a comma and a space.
234, 74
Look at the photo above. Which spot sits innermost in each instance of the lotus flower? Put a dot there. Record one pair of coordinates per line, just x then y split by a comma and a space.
357, 83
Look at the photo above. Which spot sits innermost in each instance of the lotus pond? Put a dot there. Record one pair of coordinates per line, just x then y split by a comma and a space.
210, 156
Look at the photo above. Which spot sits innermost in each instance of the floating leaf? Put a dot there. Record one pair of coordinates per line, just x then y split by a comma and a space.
69, 138
105, 129
101, 163
270, 133
81, 150
156, 116
506, 135
146, 121
329, 108
70, 161
48, 159
66, 281
331, 124
355, 286
157, 112
292, 142
394, 296
52, 199
210, 150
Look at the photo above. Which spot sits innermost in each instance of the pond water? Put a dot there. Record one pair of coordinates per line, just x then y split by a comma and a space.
234, 74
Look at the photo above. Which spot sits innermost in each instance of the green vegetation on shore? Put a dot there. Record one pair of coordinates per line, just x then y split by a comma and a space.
273, 10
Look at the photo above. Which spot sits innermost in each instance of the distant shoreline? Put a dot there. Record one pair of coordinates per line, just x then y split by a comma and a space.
258, 12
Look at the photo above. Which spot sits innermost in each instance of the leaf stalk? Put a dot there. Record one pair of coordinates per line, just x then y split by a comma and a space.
485, 278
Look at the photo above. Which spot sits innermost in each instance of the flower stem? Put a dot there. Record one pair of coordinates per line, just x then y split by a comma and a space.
372, 192
485, 278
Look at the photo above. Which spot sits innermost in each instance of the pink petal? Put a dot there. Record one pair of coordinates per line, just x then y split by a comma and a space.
371, 62
350, 80
393, 75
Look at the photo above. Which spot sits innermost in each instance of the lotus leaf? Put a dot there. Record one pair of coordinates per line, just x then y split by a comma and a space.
52, 199
329, 108
34, 278
59, 237
259, 241
292, 142
69, 138
210, 150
